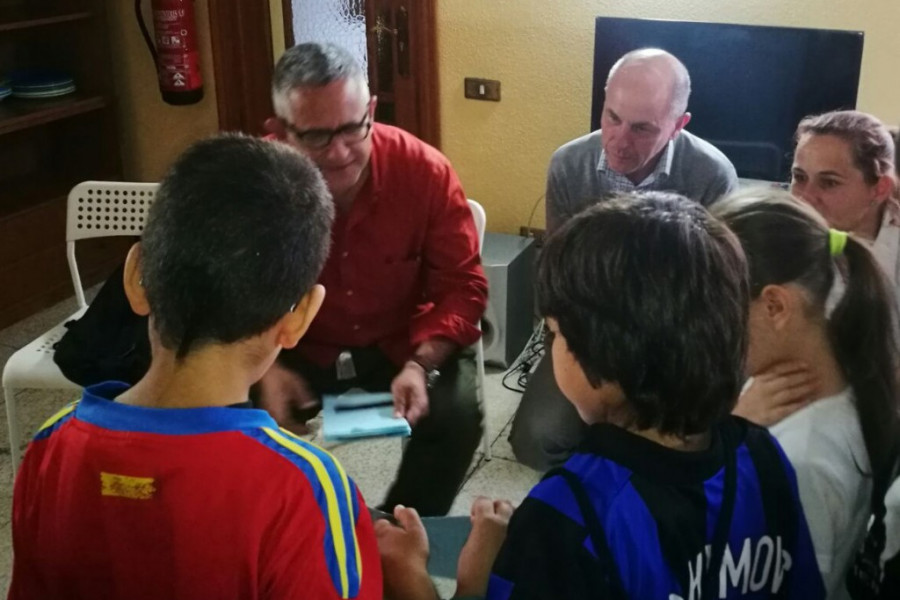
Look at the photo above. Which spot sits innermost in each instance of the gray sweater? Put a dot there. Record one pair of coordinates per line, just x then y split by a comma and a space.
698, 171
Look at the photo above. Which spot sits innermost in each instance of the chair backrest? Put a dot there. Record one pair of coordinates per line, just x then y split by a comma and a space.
103, 209
480, 219
108, 208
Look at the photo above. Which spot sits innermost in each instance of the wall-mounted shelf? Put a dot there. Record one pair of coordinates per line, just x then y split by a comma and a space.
19, 113
17, 17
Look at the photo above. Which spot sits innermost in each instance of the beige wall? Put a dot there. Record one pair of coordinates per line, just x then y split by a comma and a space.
541, 51
153, 133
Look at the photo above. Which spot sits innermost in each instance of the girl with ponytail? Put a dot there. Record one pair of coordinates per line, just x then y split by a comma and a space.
820, 299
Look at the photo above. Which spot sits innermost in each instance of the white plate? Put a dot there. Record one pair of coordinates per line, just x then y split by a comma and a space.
53, 94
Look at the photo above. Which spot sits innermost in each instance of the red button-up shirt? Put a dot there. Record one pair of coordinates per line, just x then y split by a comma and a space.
404, 265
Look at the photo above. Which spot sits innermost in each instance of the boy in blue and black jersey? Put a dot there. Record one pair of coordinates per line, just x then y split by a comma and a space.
670, 496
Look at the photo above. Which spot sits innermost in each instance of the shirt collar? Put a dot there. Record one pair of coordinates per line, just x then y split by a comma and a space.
647, 458
663, 166
98, 408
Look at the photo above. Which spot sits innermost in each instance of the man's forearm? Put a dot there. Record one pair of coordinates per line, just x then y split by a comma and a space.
434, 352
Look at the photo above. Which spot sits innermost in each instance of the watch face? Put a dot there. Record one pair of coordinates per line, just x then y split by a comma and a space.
431, 377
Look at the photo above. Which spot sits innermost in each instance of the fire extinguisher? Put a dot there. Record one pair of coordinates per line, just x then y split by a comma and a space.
176, 55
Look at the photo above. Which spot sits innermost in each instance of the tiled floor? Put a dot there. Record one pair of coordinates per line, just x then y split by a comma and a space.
501, 477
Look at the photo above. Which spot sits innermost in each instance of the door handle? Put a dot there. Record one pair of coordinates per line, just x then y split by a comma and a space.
382, 29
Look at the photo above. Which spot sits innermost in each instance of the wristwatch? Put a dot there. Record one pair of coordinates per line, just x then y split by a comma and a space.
431, 374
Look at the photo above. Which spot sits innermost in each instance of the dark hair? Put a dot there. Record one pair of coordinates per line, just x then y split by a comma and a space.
650, 292
786, 241
871, 144
238, 233
313, 65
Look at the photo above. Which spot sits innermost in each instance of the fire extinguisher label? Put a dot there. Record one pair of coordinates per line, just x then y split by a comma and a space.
179, 61
179, 72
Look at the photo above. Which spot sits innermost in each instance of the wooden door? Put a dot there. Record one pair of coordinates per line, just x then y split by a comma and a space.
402, 61
402, 65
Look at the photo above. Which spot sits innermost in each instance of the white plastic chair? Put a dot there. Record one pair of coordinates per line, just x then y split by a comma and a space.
94, 209
480, 218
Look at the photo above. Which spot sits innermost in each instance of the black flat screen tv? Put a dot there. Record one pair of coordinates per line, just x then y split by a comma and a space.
751, 85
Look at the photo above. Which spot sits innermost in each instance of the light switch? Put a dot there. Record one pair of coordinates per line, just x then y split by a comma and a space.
482, 89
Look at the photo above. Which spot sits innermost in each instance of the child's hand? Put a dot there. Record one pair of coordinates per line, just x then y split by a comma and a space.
490, 520
777, 393
283, 393
404, 555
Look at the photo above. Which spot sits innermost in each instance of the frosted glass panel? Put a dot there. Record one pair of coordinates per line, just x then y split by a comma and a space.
341, 22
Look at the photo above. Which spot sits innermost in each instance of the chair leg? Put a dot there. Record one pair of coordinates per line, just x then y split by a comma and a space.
482, 400
12, 422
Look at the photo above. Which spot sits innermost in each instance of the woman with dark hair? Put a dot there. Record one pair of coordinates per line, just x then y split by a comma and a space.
844, 168
820, 298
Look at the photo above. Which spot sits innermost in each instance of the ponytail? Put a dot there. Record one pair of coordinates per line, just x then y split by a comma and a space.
862, 330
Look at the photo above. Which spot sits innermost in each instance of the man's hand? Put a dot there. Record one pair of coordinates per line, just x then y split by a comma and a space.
404, 556
410, 393
777, 393
281, 391
490, 520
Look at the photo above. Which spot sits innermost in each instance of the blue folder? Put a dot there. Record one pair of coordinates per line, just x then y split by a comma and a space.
356, 414
446, 537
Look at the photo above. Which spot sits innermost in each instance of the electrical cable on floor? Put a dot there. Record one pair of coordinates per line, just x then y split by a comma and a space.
526, 361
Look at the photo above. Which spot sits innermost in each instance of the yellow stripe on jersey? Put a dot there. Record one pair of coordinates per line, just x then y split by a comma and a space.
335, 520
349, 490
60, 415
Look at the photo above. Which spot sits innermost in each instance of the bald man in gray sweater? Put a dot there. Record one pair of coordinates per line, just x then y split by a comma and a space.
641, 145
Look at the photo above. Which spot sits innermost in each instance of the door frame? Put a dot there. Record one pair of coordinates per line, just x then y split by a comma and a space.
425, 65
241, 38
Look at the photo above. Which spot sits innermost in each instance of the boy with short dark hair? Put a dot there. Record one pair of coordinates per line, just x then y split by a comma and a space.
176, 488
670, 496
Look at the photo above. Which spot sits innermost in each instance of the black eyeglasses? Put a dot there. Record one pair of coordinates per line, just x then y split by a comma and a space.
319, 139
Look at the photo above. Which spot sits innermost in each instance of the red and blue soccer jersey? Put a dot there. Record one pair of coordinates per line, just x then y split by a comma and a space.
117, 501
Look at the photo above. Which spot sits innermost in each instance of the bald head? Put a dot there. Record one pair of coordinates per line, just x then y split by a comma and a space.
644, 109
655, 69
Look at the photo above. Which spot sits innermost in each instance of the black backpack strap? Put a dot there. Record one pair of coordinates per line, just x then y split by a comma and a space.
726, 513
614, 588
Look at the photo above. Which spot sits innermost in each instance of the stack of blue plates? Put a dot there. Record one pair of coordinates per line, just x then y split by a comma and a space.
5, 88
39, 83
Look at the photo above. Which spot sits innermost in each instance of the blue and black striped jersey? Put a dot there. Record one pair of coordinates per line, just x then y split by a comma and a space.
647, 520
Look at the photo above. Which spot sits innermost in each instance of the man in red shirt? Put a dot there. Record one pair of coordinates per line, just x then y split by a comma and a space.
405, 284
176, 487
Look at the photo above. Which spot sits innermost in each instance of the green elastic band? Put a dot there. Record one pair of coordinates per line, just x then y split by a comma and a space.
837, 241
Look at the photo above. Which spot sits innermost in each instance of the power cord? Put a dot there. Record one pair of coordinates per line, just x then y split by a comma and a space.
526, 361
534, 209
